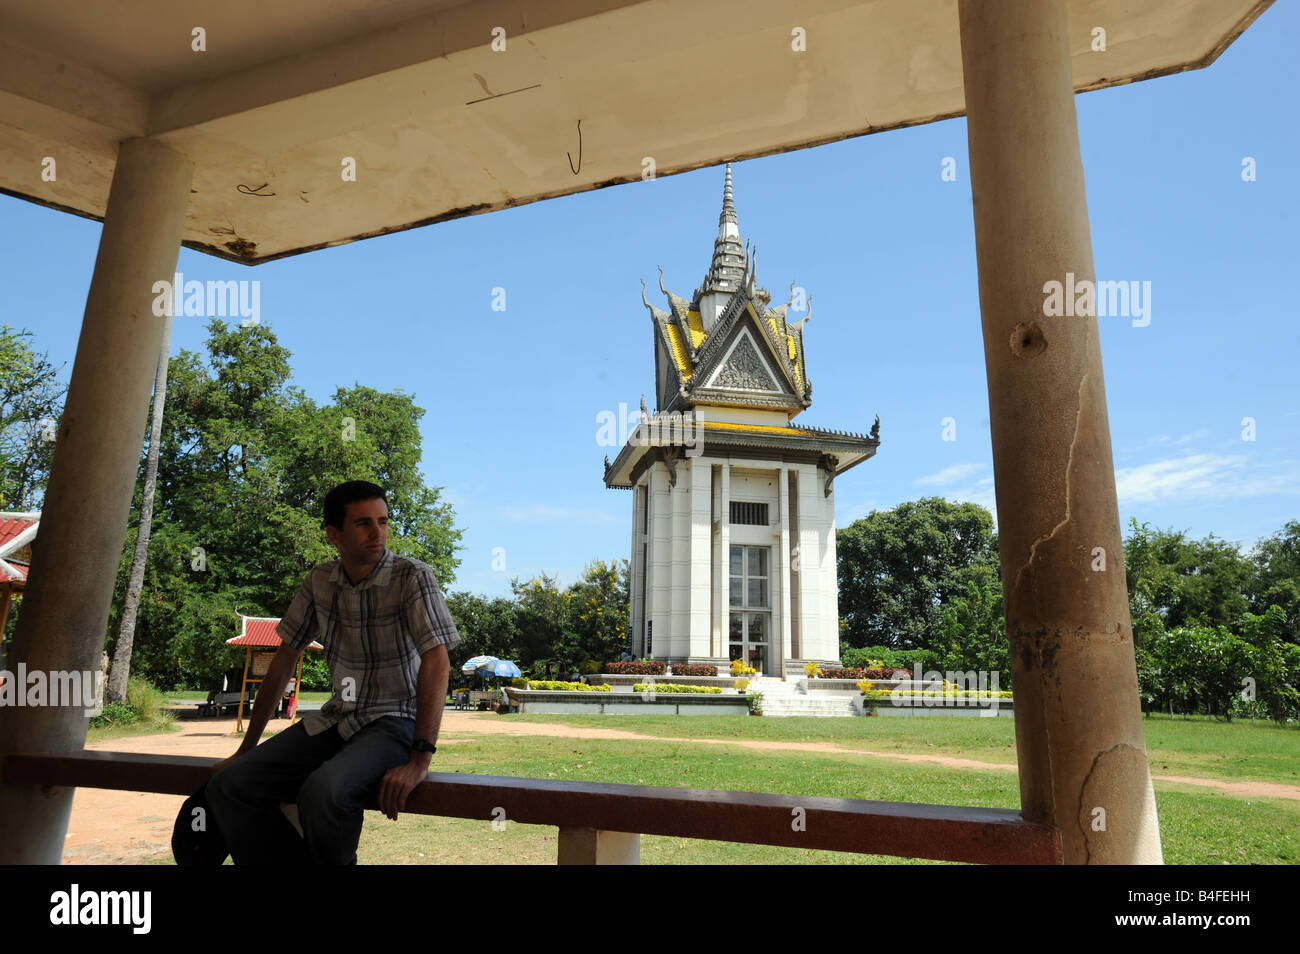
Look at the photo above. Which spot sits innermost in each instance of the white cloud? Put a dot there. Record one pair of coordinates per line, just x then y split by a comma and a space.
980, 492
854, 511
1164, 440
1205, 477
950, 475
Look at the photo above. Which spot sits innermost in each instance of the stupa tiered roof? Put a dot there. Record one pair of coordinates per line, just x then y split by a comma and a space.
730, 374
727, 346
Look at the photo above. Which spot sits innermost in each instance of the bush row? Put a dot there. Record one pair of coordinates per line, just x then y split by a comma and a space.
936, 694
687, 669
635, 668
556, 684
673, 687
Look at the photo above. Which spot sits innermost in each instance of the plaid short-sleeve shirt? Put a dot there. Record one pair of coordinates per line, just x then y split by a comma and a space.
374, 633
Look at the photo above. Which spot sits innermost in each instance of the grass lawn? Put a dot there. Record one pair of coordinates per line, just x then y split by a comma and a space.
195, 695
155, 726
1199, 747
1196, 827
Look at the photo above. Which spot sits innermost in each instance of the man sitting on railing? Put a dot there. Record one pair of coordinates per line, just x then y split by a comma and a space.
386, 632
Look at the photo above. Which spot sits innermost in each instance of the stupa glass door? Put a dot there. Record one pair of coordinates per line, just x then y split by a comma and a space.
750, 630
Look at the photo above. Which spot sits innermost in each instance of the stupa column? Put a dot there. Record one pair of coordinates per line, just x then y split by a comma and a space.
724, 646
92, 479
1079, 741
781, 644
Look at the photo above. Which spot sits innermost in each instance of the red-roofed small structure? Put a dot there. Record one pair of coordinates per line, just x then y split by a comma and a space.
17, 531
260, 631
259, 639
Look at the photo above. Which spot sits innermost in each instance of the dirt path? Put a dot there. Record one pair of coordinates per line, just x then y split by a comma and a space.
110, 827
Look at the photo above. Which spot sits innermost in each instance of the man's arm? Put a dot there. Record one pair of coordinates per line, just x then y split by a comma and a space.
431, 693
268, 696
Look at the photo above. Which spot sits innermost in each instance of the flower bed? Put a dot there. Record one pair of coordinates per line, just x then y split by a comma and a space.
888, 672
937, 694
688, 669
636, 668
554, 684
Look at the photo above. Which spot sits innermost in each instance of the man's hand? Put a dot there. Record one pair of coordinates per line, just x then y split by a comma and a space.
399, 782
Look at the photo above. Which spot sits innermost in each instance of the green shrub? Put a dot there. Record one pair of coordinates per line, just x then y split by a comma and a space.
889, 657
145, 701
316, 673
115, 713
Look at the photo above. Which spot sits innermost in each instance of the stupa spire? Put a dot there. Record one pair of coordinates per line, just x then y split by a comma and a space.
728, 209
727, 271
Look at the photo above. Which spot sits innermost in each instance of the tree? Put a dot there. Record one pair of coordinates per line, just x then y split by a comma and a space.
972, 634
598, 610
244, 461
487, 627
898, 567
31, 403
1277, 577
542, 614
1181, 582
1209, 668
121, 669
1272, 675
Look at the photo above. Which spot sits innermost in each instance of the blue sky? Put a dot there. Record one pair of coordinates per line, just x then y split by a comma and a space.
887, 250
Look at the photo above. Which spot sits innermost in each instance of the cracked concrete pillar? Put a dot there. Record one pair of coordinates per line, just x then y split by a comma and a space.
1079, 742
96, 461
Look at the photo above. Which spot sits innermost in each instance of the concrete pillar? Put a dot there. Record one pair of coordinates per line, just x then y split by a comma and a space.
716, 578
1079, 742
781, 645
829, 570
587, 846
679, 571
699, 476
724, 601
796, 564
96, 460
634, 573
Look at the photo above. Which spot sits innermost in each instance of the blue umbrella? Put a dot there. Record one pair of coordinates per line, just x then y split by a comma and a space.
501, 667
478, 662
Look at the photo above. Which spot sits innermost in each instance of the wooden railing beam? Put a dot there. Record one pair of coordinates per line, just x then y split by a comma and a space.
940, 832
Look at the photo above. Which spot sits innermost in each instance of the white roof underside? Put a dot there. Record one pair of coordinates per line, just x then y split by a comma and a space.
442, 126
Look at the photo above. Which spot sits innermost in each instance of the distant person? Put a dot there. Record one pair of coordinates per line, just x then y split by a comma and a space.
386, 632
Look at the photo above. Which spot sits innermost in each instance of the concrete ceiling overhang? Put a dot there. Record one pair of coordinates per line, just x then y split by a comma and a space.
440, 125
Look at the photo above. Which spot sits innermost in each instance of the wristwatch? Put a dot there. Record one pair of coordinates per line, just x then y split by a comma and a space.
424, 745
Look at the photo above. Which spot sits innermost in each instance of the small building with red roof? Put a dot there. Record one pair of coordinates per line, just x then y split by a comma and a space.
260, 640
17, 531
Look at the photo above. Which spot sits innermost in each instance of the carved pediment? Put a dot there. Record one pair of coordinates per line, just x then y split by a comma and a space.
744, 368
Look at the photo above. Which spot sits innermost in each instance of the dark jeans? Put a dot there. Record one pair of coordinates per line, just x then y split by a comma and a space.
329, 779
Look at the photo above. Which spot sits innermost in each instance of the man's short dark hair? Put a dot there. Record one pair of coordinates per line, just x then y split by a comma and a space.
337, 500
